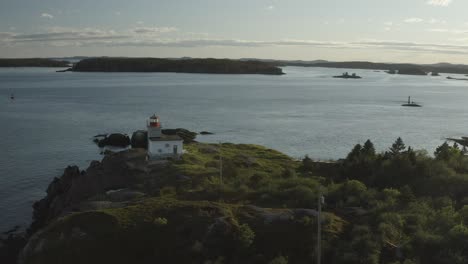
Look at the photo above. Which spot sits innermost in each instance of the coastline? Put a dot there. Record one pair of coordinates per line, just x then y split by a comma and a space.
159, 205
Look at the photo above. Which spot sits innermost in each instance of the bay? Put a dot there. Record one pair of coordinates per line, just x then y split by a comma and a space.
51, 122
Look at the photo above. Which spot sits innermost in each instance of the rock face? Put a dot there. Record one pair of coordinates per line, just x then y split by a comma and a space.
206, 133
64, 194
140, 139
186, 135
11, 243
115, 140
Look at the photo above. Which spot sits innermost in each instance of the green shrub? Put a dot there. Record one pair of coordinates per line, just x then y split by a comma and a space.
279, 260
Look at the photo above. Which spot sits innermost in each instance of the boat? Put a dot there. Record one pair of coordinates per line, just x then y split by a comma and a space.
411, 103
12, 97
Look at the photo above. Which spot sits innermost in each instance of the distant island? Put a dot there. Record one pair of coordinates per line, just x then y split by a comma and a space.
218, 66
348, 76
33, 62
408, 71
225, 66
366, 65
439, 67
458, 79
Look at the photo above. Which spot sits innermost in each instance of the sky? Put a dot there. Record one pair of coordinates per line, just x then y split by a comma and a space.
418, 31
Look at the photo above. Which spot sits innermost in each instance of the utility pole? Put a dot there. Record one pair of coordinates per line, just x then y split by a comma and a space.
321, 200
220, 163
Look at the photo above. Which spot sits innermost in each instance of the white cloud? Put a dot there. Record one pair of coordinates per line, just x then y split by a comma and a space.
117, 13
271, 7
389, 23
164, 37
47, 15
432, 21
414, 20
154, 30
448, 30
140, 22
439, 2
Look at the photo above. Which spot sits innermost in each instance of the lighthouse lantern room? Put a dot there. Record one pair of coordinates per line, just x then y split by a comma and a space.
162, 146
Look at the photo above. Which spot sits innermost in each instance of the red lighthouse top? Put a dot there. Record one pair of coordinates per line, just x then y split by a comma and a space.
154, 121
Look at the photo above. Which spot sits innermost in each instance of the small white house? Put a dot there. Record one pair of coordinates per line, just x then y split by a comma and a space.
162, 146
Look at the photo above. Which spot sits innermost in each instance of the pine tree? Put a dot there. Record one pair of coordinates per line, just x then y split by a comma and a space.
368, 149
397, 147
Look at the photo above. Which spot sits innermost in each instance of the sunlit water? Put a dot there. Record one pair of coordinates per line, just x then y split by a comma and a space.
54, 116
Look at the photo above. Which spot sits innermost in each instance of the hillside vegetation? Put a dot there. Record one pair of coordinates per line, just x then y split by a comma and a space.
400, 206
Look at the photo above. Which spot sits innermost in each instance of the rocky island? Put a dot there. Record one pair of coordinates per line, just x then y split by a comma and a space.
35, 62
388, 207
458, 79
219, 66
348, 76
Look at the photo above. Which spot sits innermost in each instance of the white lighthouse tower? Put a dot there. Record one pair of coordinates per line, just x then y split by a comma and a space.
162, 146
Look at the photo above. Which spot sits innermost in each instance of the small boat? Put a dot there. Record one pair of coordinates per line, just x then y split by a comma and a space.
411, 103
12, 97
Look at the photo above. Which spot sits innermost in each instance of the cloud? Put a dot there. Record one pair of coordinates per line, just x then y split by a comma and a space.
47, 15
117, 13
154, 30
414, 20
432, 21
436, 21
271, 7
165, 37
448, 30
439, 2
389, 23
65, 34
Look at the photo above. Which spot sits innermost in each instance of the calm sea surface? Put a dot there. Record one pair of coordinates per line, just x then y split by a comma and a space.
55, 115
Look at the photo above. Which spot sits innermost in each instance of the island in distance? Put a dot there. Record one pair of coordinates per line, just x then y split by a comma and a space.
408, 71
218, 66
348, 76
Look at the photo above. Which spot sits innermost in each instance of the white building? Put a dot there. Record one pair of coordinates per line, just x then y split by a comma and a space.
160, 145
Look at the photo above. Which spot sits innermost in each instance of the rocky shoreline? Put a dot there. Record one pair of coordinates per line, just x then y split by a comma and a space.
111, 178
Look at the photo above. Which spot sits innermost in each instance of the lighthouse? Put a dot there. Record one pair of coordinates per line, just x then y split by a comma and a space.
161, 146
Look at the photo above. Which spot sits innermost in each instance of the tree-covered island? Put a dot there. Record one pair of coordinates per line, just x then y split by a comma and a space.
219, 66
